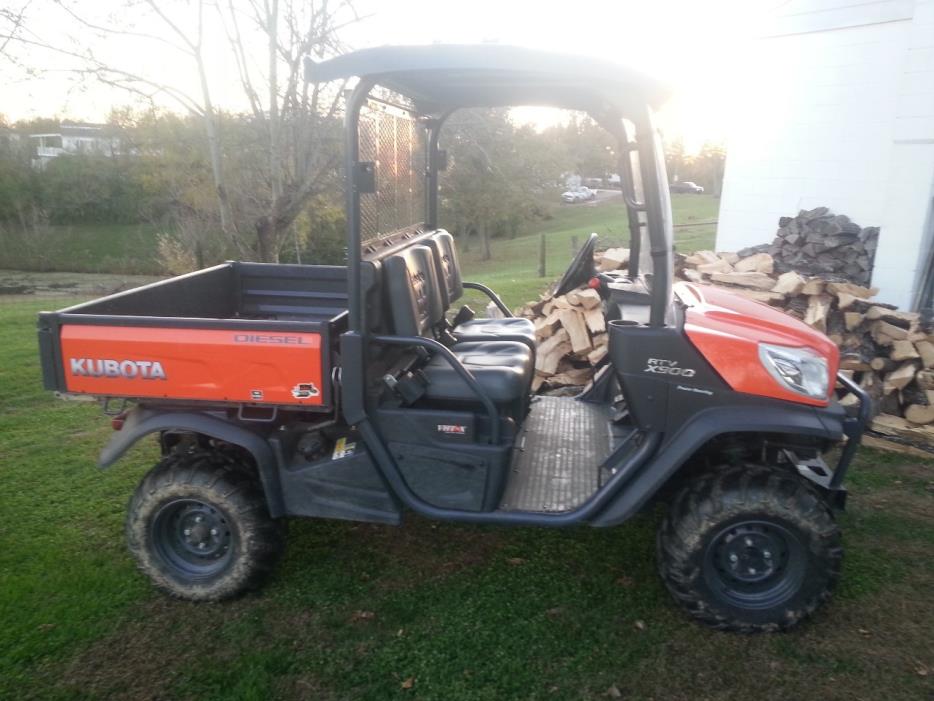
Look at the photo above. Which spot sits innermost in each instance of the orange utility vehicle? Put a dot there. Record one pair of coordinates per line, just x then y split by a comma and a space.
359, 392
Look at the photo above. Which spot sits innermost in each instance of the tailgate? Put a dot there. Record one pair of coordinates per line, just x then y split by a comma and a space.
237, 365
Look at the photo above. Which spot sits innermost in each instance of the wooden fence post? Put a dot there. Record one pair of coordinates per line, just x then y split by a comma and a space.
541, 255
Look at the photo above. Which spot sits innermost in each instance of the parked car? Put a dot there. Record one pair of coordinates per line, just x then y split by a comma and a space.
686, 187
581, 194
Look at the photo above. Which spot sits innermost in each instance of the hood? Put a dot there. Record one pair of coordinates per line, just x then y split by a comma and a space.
728, 328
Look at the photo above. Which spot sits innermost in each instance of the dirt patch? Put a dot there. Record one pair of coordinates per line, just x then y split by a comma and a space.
142, 658
30, 285
918, 507
430, 551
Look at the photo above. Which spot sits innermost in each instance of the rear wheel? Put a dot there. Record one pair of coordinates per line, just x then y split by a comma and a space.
749, 549
199, 528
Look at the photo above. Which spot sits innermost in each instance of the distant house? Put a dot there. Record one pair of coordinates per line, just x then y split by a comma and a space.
99, 139
840, 114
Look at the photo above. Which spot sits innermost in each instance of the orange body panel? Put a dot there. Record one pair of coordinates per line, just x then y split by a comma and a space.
727, 329
241, 366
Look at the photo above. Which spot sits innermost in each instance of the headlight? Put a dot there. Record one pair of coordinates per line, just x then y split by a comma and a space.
799, 369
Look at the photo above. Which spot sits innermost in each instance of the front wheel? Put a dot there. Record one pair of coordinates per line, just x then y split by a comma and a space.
749, 549
199, 528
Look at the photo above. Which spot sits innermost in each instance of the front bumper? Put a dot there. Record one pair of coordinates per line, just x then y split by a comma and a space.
816, 470
853, 428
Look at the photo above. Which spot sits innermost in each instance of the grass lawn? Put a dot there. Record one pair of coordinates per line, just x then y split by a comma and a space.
513, 270
427, 610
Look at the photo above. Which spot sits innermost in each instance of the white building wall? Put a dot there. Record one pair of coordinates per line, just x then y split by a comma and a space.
908, 220
835, 116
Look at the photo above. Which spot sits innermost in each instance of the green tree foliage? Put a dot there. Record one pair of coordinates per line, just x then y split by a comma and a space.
584, 147
17, 181
161, 175
496, 176
706, 167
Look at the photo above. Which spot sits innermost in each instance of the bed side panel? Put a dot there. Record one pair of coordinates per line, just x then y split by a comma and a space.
236, 365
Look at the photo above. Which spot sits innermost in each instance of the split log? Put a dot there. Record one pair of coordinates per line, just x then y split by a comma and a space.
561, 302
701, 257
900, 377
551, 351
897, 426
836, 288
854, 363
595, 320
814, 286
758, 263
903, 350
845, 301
816, 314
903, 320
573, 323
852, 320
885, 334
692, 275
790, 283
613, 259
547, 325
730, 258
587, 298
925, 352
720, 266
571, 376
597, 354
758, 281
882, 364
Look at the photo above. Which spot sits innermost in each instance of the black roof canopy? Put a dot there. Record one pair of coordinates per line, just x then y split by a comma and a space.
444, 77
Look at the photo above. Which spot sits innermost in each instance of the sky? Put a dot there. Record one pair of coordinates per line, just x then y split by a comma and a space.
696, 46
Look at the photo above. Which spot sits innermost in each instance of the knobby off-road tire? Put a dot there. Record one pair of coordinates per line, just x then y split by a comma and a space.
199, 528
749, 549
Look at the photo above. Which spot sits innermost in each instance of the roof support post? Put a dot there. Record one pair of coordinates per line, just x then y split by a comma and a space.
355, 293
432, 166
654, 178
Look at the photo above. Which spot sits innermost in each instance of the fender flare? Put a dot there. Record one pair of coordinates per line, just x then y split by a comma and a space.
705, 425
141, 422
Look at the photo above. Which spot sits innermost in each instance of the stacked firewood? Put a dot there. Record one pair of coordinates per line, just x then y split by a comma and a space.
571, 330
890, 353
819, 242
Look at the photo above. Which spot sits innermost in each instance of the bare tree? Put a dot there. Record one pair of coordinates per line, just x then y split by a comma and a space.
11, 22
256, 208
300, 153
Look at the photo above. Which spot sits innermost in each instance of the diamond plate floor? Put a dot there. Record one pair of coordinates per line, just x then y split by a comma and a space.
555, 463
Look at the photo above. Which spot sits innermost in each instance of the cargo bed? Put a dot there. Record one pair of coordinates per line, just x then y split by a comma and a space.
237, 333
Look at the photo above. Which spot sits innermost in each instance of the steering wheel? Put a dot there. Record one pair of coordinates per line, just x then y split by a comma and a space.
580, 270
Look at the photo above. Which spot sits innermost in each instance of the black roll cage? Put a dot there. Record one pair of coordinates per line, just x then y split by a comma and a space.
555, 85
439, 80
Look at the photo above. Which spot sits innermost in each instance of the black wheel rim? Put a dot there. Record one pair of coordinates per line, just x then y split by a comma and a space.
194, 538
755, 564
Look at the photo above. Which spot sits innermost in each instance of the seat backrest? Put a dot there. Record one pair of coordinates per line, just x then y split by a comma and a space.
413, 292
447, 267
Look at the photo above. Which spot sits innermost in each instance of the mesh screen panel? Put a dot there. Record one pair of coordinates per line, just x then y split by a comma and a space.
395, 141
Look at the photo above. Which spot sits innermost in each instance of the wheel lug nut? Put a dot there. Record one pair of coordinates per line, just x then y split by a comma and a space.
734, 557
202, 545
752, 570
187, 531
214, 532
766, 554
748, 542
199, 519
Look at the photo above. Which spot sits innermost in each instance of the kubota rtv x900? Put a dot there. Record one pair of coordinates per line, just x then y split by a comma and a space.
359, 392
